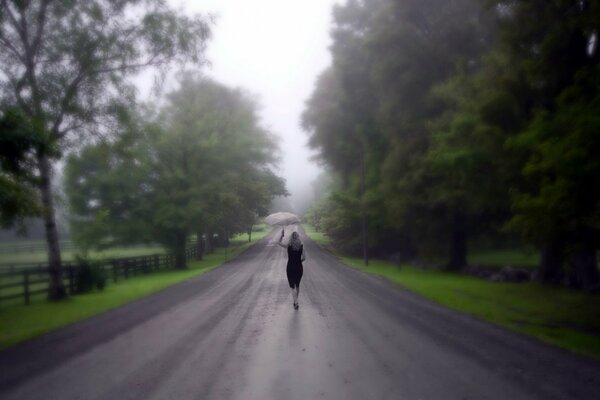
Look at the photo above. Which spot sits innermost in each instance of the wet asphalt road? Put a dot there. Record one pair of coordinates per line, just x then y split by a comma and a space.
233, 334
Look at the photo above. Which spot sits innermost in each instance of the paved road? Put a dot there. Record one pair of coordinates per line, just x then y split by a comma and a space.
233, 334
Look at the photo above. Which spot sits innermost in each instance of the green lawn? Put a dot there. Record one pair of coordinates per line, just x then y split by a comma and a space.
19, 322
563, 317
319, 237
500, 258
40, 256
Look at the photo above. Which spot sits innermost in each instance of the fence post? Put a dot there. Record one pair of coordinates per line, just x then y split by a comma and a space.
156, 264
26, 286
126, 269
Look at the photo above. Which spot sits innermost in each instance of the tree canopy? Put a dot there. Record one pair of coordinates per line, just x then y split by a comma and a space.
18, 142
201, 164
66, 65
472, 119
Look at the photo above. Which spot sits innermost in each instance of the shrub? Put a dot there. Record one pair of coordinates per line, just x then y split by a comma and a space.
90, 274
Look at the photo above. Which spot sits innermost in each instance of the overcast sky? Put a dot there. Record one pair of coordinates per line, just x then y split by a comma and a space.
274, 49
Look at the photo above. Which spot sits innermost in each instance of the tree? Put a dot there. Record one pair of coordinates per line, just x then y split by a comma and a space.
107, 187
554, 63
563, 169
340, 117
371, 113
200, 165
420, 46
65, 64
235, 180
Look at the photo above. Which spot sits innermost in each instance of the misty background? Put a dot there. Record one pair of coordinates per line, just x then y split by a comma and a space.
274, 49
457, 139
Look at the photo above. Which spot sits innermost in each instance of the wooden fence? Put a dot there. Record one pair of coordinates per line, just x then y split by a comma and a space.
33, 278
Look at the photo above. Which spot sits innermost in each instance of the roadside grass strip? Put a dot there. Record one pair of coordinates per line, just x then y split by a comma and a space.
526, 258
500, 258
19, 322
566, 318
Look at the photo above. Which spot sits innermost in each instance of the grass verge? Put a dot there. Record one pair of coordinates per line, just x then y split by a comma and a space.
40, 256
501, 258
566, 318
19, 322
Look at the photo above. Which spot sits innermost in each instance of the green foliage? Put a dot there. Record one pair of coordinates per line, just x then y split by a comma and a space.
471, 120
66, 65
200, 164
90, 275
72, 66
563, 170
19, 141
375, 106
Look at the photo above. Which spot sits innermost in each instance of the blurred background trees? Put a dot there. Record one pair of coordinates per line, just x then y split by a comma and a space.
66, 67
472, 120
442, 126
200, 164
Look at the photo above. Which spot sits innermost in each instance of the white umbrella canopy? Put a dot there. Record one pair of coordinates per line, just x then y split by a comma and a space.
282, 219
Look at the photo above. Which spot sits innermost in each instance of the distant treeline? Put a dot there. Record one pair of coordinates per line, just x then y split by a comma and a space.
446, 121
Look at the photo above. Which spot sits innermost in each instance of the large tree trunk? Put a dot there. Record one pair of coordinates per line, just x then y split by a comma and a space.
551, 261
199, 246
180, 260
584, 262
56, 288
458, 248
250, 234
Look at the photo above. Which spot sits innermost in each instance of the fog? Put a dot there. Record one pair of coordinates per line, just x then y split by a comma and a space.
274, 49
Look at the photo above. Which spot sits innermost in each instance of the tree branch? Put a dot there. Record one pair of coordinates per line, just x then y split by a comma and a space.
60, 133
41, 24
7, 44
12, 17
148, 63
70, 92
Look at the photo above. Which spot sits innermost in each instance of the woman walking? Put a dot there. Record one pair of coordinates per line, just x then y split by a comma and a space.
296, 256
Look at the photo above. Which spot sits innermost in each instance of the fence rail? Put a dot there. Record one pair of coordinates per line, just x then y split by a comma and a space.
33, 277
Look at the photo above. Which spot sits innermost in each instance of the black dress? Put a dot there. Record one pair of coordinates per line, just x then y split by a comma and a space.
294, 266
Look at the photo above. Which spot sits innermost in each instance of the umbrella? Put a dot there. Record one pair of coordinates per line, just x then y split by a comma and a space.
282, 219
